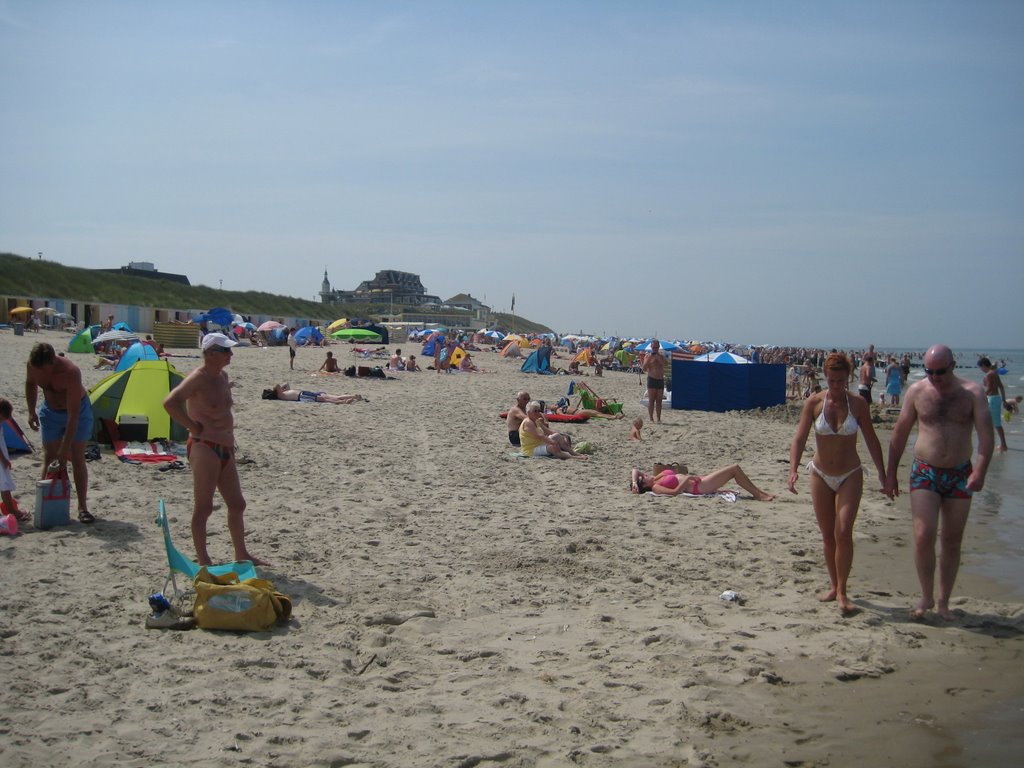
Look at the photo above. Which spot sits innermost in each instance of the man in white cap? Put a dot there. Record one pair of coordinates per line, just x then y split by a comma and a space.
202, 404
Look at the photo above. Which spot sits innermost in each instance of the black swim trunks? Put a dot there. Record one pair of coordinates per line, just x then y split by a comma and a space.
513, 437
653, 383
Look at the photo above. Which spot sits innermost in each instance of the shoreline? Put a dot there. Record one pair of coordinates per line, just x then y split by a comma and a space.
455, 604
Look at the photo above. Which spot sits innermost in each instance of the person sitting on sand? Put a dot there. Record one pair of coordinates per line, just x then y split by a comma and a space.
668, 482
284, 392
395, 362
466, 364
538, 440
411, 365
330, 364
634, 431
516, 416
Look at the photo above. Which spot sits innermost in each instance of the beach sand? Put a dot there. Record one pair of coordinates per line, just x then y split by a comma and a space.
458, 606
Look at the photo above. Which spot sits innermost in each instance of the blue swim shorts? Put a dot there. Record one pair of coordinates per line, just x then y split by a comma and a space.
54, 422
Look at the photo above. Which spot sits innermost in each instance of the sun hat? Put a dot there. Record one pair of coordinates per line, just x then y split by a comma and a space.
217, 340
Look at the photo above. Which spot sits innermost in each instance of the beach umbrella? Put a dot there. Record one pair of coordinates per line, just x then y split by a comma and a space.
351, 334
722, 357
337, 324
219, 316
666, 346
121, 327
237, 319
21, 311
44, 311
114, 336
269, 325
494, 335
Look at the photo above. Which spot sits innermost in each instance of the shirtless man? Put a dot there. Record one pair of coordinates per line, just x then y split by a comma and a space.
330, 364
946, 409
996, 398
516, 416
65, 417
202, 404
396, 363
284, 392
654, 367
866, 377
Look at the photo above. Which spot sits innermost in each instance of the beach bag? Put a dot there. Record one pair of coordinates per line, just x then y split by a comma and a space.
53, 498
224, 602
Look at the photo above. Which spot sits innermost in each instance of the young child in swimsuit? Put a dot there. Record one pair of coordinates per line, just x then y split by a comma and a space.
634, 432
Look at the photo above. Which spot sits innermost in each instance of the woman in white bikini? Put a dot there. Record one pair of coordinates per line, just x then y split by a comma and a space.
837, 476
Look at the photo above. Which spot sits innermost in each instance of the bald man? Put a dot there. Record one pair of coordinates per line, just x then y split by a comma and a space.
947, 411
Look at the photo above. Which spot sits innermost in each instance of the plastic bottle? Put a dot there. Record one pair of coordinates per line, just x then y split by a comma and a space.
234, 602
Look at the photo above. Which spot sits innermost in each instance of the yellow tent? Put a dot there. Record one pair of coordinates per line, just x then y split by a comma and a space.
337, 324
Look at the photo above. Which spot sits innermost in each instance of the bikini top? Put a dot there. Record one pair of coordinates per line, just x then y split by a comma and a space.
848, 427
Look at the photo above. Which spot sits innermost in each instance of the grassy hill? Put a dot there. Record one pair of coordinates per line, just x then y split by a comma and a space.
30, 278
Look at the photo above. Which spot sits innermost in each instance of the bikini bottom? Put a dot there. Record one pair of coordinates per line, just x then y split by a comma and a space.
834, 481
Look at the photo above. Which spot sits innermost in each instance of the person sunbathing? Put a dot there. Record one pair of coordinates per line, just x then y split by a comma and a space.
668, 482
283, 392
564, 407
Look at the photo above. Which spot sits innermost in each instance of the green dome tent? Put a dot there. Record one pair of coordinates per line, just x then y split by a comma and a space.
82, 341
138, 391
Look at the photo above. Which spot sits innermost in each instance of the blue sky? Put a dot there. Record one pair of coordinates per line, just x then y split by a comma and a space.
806, 173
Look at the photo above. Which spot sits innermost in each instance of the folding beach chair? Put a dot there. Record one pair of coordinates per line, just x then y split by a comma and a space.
187, 567
589, 399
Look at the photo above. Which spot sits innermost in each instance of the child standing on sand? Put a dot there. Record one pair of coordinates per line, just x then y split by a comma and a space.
6, 481
634, 431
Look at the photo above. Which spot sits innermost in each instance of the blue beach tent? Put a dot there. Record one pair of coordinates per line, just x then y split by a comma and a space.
14, 438
307, 334
134, 353
537, 363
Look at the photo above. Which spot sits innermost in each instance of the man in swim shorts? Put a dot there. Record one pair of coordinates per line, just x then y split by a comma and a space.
947, 410
516, 416
996, 395
202, 404
65, 416
284, 392
654, 367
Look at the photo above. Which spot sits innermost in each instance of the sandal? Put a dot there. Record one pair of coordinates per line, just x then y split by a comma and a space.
85, 517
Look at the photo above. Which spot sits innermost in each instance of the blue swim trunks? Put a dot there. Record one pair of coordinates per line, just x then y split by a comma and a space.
54, 423
308, 397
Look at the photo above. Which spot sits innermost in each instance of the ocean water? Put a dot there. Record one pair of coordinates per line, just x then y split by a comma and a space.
999, 507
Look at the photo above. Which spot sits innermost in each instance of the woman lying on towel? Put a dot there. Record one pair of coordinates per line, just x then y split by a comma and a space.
282, 392
566, 409
670, 483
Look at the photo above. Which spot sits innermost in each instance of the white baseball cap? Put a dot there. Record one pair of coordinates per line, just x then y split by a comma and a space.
217, 340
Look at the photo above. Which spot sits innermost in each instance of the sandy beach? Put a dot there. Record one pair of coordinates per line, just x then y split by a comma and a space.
457, 606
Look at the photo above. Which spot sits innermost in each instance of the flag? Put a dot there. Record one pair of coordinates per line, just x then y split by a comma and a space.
682, 354
513, 302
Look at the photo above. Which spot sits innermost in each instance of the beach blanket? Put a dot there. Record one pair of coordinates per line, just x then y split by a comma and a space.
145, 452
729, 496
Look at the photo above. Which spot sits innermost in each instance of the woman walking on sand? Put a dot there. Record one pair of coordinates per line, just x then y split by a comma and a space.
837, 476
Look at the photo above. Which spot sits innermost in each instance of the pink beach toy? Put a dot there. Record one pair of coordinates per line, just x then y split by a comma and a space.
8, 525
